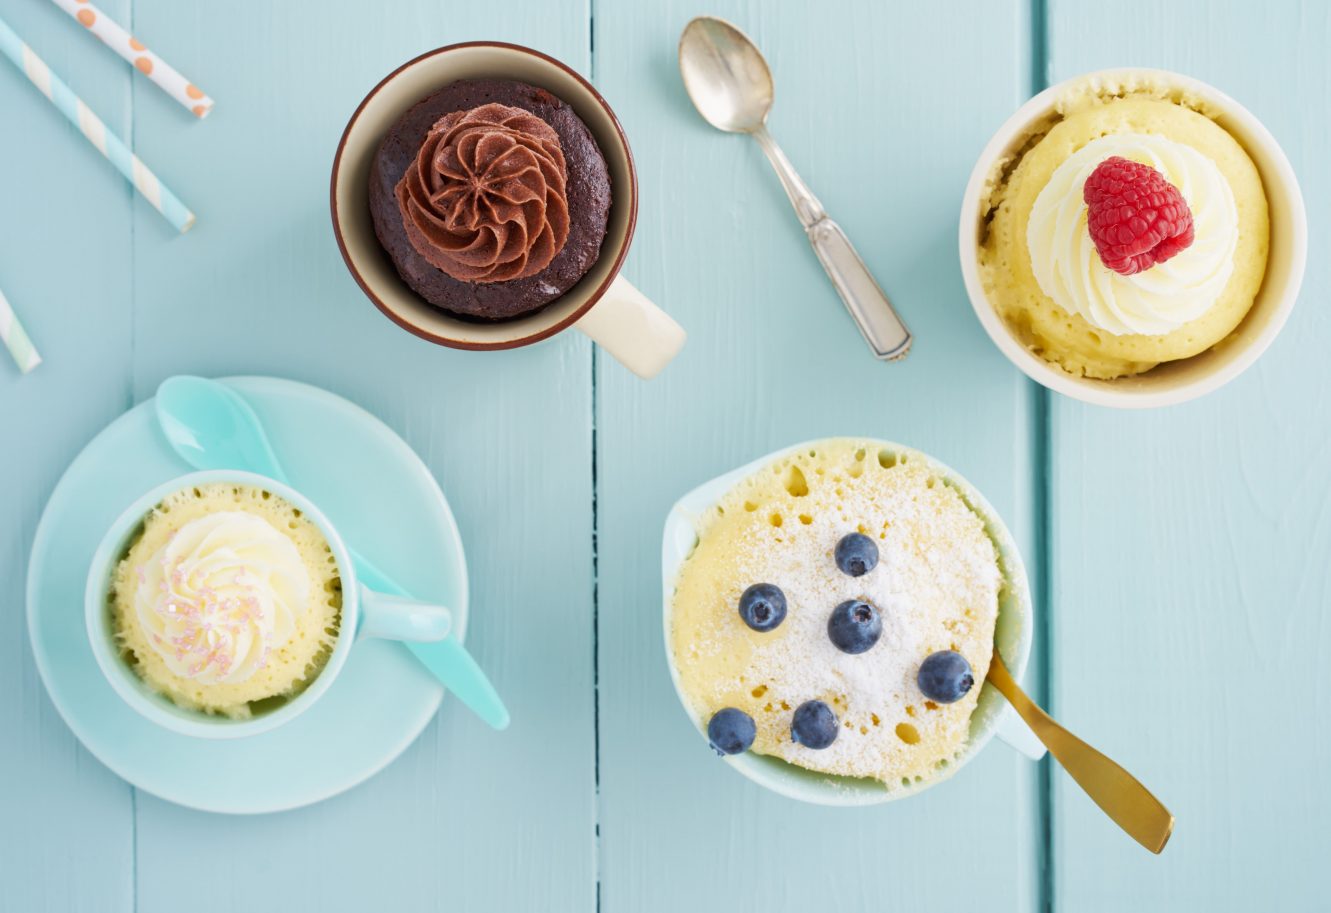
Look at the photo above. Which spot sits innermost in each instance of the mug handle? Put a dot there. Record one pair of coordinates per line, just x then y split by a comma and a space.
1012, 730
641, 336
401, 618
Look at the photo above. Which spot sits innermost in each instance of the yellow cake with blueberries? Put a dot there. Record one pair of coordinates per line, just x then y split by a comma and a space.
228, 601
1042, 265
838, 613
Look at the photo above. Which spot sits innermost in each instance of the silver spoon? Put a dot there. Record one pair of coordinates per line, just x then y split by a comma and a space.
731, 86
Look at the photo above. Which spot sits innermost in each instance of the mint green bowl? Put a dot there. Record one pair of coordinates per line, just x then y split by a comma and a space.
1012, 635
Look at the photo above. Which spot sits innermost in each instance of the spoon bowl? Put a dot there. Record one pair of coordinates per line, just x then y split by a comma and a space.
212, 427
725, 75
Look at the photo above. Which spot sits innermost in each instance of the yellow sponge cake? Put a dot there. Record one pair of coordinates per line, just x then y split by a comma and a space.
819, 592
1040, 267
228, 601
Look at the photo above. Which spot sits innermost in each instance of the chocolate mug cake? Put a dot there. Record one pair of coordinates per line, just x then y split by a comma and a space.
491, 198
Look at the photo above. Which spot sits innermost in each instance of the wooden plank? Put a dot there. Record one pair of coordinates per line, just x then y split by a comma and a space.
64, 265
883, 108
66, 823
259, 287
1190, 544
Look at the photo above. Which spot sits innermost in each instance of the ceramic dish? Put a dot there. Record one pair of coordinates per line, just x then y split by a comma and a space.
378, 492
361, 610
992, 717
602, 303
1189, 378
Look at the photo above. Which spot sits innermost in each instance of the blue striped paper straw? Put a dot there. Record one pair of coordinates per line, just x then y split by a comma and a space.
16, 340
91, 126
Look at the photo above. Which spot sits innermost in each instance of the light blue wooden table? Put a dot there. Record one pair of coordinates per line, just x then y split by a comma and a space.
1181, 555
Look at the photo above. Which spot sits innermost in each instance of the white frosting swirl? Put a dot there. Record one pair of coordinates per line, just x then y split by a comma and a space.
224, 591
1166, 296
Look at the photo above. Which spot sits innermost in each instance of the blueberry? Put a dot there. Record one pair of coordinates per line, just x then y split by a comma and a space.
763, 606
730, 731
945, 677
814, 725
856, 554
854, 626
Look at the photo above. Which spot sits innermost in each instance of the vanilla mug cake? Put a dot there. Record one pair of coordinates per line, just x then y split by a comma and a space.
228, 601
223, 604
830, 614
1132, 238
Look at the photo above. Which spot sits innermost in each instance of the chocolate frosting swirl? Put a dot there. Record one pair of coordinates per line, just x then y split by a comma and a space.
485, 200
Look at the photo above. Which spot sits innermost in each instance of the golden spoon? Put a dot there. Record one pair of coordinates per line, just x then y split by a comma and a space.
1118, 793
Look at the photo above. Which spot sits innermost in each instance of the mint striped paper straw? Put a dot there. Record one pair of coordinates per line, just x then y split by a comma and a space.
15, 339
91, 126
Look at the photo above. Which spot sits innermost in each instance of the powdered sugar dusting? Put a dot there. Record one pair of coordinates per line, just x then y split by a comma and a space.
936, 586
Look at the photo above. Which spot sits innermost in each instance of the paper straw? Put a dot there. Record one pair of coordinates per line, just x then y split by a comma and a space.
15, 339
91, 126
145, 61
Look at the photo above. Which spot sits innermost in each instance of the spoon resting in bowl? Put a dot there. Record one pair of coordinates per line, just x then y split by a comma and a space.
1119, 794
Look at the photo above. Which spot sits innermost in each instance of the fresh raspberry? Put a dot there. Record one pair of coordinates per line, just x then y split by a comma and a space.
1136, 218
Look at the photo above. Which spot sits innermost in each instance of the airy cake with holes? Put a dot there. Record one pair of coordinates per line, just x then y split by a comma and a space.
934, 587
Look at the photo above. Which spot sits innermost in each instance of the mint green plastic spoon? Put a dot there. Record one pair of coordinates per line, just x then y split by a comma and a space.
210, 426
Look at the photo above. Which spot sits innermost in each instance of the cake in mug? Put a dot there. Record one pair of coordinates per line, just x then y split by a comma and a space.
228, 600
491, 198
1129, 230
838, 613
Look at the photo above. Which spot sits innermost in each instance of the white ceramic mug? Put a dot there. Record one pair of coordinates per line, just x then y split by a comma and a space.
602, 304
1012, 635
1188, 378
364, 613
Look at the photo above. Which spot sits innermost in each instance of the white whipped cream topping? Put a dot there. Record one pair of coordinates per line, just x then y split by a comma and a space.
224, 591
1166, 296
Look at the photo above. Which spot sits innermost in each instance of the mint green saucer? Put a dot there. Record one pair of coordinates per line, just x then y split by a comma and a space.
373, 488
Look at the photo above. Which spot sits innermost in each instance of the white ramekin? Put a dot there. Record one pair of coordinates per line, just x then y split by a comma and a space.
1171, 382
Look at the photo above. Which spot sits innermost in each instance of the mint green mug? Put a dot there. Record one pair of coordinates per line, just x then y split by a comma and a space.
364, 613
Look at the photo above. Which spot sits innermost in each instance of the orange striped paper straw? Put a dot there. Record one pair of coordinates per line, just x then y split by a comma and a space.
109, 32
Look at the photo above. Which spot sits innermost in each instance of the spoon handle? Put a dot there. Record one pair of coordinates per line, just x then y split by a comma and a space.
1119, 794
447, 659
880, 325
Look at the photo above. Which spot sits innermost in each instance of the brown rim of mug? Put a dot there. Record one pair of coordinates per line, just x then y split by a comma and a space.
511, 343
